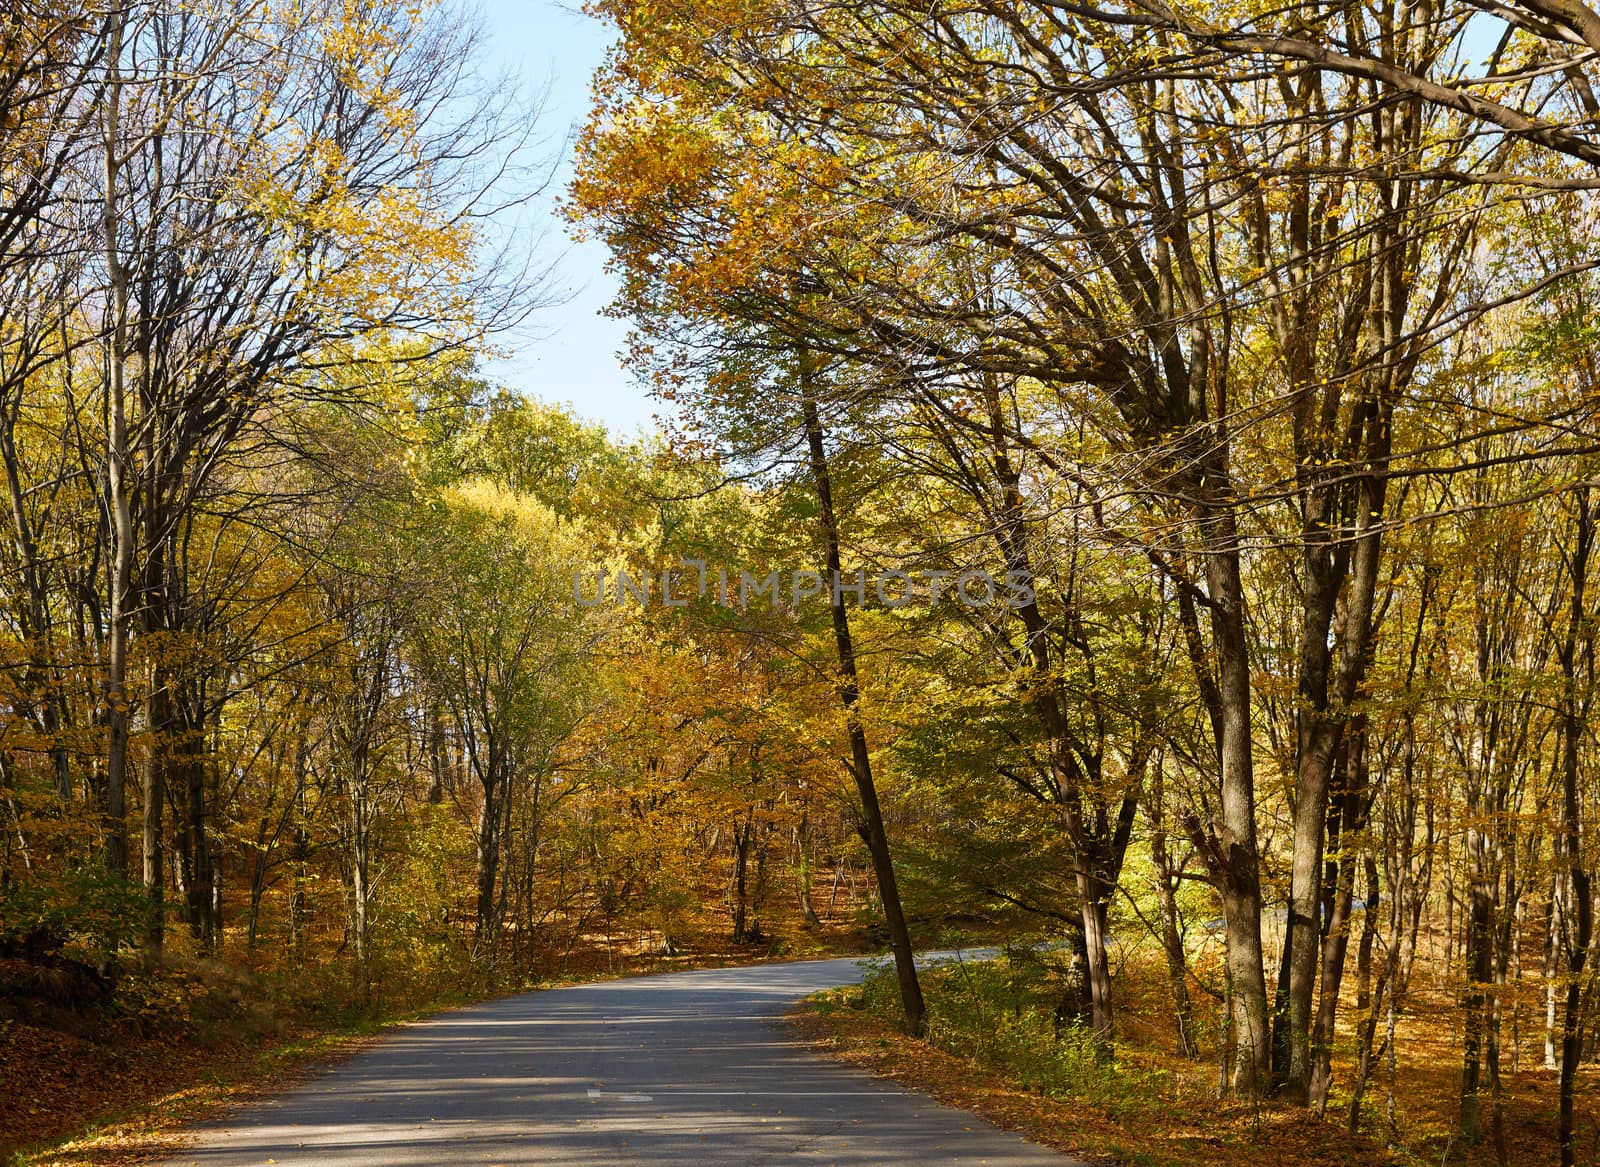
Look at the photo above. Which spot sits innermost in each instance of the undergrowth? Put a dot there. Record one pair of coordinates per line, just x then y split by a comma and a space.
1012, 1014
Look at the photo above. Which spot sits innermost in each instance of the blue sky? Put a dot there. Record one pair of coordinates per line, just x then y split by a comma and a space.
568, 352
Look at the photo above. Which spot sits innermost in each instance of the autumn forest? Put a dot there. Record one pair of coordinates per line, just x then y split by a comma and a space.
1127, 499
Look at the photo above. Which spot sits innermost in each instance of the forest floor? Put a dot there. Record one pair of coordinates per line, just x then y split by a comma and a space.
1157, 1109
191, 1040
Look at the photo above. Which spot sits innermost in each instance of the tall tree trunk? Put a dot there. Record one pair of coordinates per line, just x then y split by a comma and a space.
1550, 961
1370, 1003
804, 868
155, 797
486, 930
1348, 814
300, 851
119, 470
259, 866
741, 867
360, 868
850, 695
1235, 855
1327, 694
1171, 937
1094, 897
189, 756
1097, 848
758, 893
1317, 744
1480, 978
436, 758
1577, 924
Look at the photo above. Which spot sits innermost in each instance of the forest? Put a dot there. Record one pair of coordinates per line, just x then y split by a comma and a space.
1127, 492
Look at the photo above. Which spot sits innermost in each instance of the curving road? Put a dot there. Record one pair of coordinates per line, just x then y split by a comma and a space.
691, 1068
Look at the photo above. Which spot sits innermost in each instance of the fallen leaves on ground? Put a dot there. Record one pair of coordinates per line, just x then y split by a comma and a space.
1169, 1113
132, 1101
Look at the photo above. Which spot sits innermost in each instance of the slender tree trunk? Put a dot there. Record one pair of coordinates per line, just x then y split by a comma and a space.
850, 695
214, 936
190, 749
1369, 1004
1349, 811
506, 852
741, 864
360, 868
1480, 976
803, 872
1094, 897
1549, 963
1171, 937
155, 798
300, 849
758, 903
1577, 923
258, 888
1097, 849
119, 471
436, 758
535, 838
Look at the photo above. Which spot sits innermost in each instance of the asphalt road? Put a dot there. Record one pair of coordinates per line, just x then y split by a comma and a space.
691, 1068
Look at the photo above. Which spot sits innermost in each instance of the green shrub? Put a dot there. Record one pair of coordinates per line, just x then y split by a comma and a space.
1004, 1014
84, 910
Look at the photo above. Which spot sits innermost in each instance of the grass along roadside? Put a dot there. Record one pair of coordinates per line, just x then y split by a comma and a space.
995, 1048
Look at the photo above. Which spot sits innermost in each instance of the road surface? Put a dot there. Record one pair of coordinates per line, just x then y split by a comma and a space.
692, 1068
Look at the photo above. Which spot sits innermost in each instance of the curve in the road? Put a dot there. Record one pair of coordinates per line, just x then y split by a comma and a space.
690, 1068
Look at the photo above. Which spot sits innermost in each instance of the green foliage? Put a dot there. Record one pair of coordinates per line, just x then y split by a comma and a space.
417, 955
1003, 1015
84, 908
